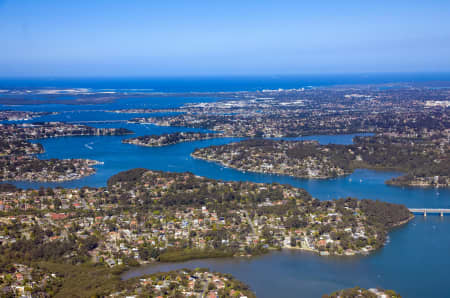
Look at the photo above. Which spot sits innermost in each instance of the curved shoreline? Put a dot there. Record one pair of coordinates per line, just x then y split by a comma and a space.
315, 252
389, 182
89, 163
219, 162
130, 141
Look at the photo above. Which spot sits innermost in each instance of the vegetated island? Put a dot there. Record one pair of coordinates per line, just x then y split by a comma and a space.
363, 293
17, 154
424, 162
170, 138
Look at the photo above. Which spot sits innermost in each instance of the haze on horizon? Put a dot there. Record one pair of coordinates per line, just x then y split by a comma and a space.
175, 38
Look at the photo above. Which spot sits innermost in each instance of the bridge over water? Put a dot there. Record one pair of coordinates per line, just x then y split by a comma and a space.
96, 121
426, 211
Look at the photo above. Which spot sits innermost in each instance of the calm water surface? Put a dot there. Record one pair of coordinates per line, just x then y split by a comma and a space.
415, 262
176, 158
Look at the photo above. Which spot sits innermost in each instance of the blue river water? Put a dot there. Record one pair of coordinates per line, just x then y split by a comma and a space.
415, 262
176, 158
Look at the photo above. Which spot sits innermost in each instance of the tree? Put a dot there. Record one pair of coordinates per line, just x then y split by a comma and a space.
198, 286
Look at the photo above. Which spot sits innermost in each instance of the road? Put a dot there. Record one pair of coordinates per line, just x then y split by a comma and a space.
205, 288
249, 220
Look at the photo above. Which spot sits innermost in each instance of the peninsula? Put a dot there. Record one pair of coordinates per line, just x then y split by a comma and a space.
61, 239
425, 161
11, 115
46, 279
187, 283
146, 216
363, 293
17, 154
42, 130
29, 168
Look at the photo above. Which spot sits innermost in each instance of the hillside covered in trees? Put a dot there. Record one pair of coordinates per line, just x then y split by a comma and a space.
425, 162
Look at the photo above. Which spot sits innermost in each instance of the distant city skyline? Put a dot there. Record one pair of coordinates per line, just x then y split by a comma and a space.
204, 38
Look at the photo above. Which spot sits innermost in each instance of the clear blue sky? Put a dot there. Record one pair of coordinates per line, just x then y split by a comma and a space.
227, 37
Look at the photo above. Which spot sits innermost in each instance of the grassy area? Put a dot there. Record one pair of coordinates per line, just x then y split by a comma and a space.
189, 254
85, 280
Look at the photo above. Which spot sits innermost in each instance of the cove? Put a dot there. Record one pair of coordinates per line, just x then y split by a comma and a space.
415, 263
176, 158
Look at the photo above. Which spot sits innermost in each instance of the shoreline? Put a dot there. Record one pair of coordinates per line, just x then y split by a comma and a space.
217, 161
89, 163
381, 169
124, 141
316, 252
130, 269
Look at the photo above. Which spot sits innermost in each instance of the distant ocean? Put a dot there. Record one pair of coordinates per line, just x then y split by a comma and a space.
216, 84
